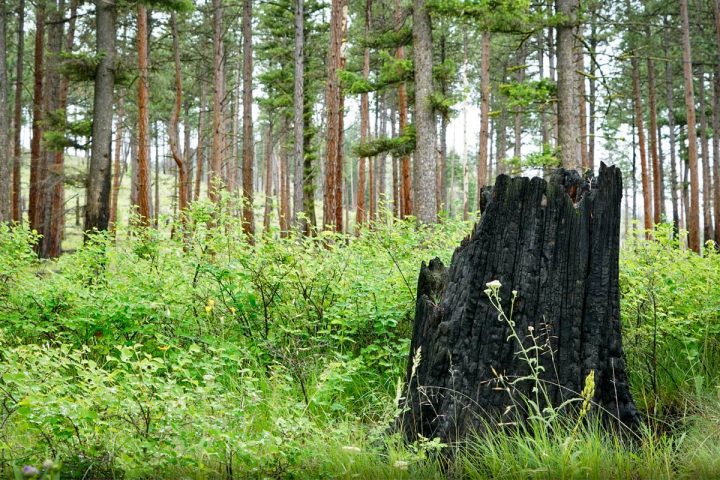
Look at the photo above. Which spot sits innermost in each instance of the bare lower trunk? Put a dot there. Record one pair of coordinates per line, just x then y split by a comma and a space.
200, 152
694, 213
284, 212
97, 209
582, 108
716, 152
248, 138
143, 164
218, 123
17, 122
568, 134
425, 155
483, 157
268, 157
364, 126
50, 216
116, 177
173, 133
36, 170
708, 231
5, 158
654, 145
671, 131
645, 175
406, 206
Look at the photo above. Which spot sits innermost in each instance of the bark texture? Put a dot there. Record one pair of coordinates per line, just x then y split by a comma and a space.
216, 155
5, 159
557, 244
17, 115
173, 127
568, 131
426, 208
248, 137
97, 210
693, 217
483, 157
332, 195
298, 110
645, 174
143, 162
405, 200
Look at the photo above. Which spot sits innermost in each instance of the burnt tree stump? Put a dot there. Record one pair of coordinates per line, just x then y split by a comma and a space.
557, 244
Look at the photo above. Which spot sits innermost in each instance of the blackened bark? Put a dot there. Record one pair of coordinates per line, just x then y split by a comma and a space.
556, 243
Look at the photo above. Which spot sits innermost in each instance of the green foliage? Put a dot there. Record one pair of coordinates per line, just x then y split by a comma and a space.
493, 15
388, 39
397, 146
395, 70
152, 358
524, 94
672, 318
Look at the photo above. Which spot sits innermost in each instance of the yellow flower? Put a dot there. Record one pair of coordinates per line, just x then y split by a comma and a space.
165, 348
210, 305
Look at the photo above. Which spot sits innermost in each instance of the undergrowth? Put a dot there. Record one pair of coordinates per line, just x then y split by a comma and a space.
148, 356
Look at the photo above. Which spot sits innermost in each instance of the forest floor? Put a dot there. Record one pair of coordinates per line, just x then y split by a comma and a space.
147, 358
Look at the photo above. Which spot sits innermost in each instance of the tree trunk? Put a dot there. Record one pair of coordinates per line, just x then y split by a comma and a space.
200, 152
235, 136
517, 114
284, 213
173, 133
116, 177
248, 138
5, 158
716, 126
552, 70
568, 134
97, 202
406, 206
694, 213
716, 151
483, 158
299, 220
441, 184
268, 160
593, 91
654, 145
382, 158
501, 139
372, 170
671, 128
56, 102
36, 173
582, 107
156, 204
332, 203
645, 175
17, 121
551, 256
216, 155
308, 173
425, 155
395, 170
364, 123
705, 153
143, 174
48, 226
